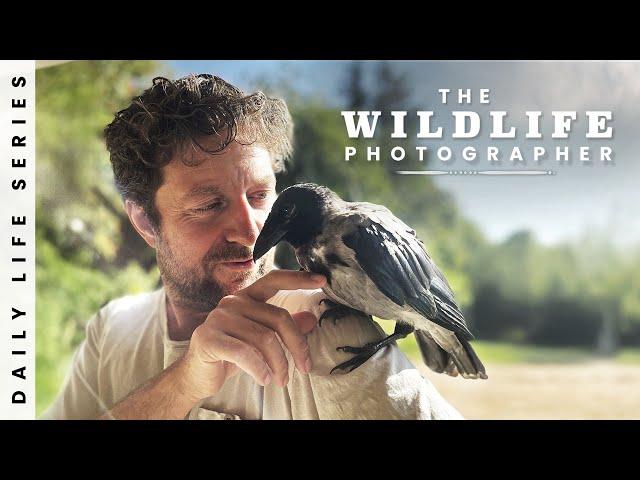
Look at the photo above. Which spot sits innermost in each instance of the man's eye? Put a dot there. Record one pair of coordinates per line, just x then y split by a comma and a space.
209, 207
259, 196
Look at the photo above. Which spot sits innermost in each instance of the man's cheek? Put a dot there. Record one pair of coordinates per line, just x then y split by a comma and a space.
261, 216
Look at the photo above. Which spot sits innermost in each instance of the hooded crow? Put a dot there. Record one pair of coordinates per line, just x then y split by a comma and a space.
374, 264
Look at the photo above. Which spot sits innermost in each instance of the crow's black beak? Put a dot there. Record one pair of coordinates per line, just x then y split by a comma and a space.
272, 232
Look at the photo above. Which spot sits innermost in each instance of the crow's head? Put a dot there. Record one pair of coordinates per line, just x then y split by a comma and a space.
296, 217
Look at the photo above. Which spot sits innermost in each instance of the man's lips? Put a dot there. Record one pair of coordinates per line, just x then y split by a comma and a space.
246, 264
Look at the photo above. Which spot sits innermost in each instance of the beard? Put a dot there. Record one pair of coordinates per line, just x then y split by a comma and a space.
196, 288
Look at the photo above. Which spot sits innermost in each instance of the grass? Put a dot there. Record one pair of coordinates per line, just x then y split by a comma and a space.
629, 355
503, 352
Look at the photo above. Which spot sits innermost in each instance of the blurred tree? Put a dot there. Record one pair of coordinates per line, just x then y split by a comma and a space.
608, 283
356, 92
86, 253
78, 207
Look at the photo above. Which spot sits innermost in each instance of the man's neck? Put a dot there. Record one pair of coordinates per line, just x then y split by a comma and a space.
181, 321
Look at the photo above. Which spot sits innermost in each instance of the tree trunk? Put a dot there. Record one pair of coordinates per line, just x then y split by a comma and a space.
608, 336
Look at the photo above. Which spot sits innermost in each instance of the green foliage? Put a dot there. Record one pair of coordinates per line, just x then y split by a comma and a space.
510, 353
75, 101
498, 352
68, 295
79, 221
562, 294
629, 355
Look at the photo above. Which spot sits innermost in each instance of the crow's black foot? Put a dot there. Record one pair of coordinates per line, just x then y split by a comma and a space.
362, 355
336, 311
330, 303
368, 348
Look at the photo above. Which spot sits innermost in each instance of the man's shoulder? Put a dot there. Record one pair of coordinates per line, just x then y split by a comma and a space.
129, 314
133, 303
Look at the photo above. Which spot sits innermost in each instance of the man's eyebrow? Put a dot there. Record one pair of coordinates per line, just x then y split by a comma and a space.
201, 190
268, 180
214, 190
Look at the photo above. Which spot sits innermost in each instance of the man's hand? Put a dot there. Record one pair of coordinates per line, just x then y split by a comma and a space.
242, 332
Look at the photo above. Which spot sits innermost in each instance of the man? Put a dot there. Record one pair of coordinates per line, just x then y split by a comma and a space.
195, 161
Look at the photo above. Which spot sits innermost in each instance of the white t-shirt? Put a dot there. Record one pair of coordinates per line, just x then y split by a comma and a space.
127, 344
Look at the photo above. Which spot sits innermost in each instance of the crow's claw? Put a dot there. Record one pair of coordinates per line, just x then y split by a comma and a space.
364, 353
355, 362
357, 350
336, 311
330, 303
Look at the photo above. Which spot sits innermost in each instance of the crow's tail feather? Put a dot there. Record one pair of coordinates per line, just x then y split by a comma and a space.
460, 359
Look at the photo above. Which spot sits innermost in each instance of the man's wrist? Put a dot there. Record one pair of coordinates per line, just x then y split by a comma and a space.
186, 383
167, 396
182, 382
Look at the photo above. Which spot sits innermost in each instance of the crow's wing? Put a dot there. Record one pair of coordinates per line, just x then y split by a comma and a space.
396, 261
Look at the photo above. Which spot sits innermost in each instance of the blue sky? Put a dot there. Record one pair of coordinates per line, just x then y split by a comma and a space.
556, 208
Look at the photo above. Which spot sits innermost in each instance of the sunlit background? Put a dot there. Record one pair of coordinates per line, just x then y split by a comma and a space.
546, 269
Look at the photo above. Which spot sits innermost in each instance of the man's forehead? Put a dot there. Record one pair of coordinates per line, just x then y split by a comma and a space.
195, 172
208, 188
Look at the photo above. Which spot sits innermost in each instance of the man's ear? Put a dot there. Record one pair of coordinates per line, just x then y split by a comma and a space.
141, 222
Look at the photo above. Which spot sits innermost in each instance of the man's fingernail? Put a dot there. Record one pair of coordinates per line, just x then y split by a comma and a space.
307, 365
267, 379
317, 278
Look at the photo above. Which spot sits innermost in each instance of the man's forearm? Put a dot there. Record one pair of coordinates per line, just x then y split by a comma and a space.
163, 397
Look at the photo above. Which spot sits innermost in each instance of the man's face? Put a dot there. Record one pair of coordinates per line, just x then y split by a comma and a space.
211, 215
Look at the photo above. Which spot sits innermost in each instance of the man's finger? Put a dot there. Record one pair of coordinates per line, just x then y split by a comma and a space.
245, 356
261, 337
276, 280
276, 319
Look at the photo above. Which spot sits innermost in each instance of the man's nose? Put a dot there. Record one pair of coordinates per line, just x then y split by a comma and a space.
242, 227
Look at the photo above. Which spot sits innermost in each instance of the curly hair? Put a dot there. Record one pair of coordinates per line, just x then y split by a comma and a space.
172, 116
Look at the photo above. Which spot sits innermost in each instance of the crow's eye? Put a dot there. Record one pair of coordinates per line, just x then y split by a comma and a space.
288, 211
